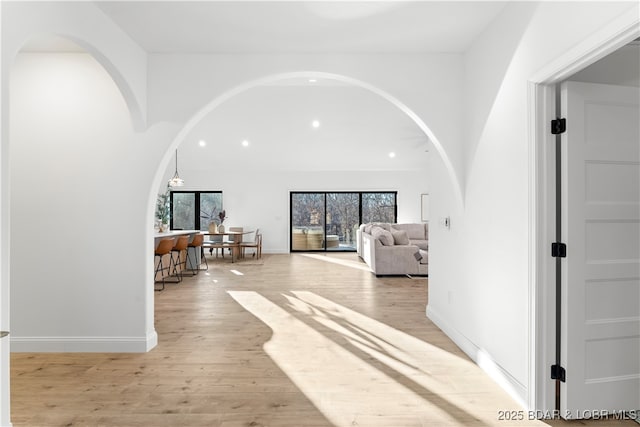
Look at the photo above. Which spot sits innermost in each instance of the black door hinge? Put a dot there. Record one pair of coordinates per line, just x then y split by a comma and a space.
558, 373
558, 250
558, 126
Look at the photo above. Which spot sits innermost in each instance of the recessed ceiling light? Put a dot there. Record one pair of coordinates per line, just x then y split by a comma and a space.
245, 143
312, 80
392, 154
202, 143
315, 124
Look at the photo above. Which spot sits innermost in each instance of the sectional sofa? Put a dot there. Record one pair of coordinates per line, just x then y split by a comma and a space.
394, 249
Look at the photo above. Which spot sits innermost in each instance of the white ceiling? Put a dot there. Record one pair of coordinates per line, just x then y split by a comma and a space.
355, 124
301, 26
357, 131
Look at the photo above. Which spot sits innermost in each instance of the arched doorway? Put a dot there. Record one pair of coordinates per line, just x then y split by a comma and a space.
188, 134
305, 76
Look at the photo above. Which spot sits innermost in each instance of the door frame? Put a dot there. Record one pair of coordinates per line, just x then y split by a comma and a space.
324, 225
542, 109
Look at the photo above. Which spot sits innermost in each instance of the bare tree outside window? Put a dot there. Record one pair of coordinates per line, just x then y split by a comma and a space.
378, 207
194, 210
183, 211
343, 214
328, 221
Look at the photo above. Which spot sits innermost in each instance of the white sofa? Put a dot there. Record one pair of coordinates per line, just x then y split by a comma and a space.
394, 249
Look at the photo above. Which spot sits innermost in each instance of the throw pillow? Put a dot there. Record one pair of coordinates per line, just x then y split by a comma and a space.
383, 235
386, 238
400, 237
376, 231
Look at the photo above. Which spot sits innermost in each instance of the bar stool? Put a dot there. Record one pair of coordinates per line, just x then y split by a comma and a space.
164, 248
196, 244
181, 245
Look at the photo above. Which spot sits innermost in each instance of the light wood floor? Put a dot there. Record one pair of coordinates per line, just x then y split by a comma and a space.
293, 341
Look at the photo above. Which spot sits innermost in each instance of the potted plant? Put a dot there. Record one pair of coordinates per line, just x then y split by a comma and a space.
221, 217
211, 218
215, 219
163, 211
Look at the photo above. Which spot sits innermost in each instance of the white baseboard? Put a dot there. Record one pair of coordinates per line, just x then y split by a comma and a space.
83, 344
483, 359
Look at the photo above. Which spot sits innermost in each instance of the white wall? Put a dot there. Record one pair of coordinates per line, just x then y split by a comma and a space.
485, 305
428, 85
125, 62
262, 199
348, 152
86, 25
183, 84
79, 180
5, 406
84, 161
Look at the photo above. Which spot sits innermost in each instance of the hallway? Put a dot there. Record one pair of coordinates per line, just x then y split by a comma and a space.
295, 340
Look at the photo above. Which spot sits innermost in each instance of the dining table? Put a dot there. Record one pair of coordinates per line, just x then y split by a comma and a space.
233, 244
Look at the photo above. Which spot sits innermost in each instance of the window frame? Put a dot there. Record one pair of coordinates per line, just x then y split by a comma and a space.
324, 228
197, 222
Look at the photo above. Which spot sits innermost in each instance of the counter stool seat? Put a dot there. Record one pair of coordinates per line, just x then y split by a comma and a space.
164, 248
196, 244
180, 246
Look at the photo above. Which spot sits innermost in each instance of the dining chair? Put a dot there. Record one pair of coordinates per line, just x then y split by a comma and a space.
234, 241
237, 238
216, 243
256, 245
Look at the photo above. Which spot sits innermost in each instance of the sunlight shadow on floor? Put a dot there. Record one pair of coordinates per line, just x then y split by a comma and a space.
350, 390
344, 262
436, 371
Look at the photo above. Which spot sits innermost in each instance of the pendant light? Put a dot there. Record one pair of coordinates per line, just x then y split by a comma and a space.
176, 181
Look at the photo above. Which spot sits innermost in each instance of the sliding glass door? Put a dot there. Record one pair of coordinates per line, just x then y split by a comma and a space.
343, 219
307, 221
327, 221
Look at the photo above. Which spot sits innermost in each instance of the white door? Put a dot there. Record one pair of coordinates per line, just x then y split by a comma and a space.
601, 227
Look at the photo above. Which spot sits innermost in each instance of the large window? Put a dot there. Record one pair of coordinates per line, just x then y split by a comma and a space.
194, 210
324, 221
